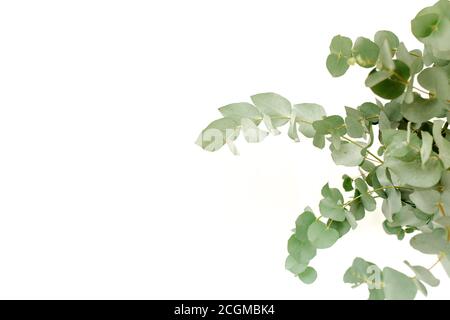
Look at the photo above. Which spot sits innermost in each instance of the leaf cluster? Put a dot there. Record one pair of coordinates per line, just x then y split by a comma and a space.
407, 175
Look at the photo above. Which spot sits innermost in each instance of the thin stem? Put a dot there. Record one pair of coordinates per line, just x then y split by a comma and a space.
329, 223
437, 262
441, 209
421, 90
415, 55
399, 78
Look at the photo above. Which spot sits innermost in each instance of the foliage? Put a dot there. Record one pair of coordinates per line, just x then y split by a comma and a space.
409, 172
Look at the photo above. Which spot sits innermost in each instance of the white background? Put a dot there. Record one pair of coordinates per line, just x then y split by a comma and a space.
103, 193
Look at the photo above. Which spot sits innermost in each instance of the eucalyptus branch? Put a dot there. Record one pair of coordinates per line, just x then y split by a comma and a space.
411, 171
375, 190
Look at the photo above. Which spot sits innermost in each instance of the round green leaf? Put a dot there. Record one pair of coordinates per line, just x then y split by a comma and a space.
414, 173
359, 272
426, 200
395, 85
329, 208
302, 251
322, 237
293, 266
302, 224
389, 36
274, 106
340, 52
332, 193
239, 111
436, 81
367, 200
377, 77
337, 65
431, 243
365, 52
347, 183
423, 26
421, 110
217, 133
398, 286
354, 123
348, 155
424, 274
342, 227
341, 46
308, 276
370, 111
330, 125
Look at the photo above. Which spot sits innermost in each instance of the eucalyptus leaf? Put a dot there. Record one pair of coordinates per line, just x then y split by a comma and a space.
354, 123
426, 148
365, 52
340, 52
434, 242
385, 35
420, 287
308, 276
413, 59
392, 203
443, 144
294, 266
217, 133
301, 251
406, 216
275, 106
321, 236
306, 114
251, 131
422, 110
436, 81
370, 111
377, 77
342, 227
333, 125
351, 219
394, 86
423, 274
329, 208
332, 193
364, 272
426, 200
347, 183
367, 200
239, 111
415, 174
337, 65
386, 56
348, 155
398, 286
302, 224
432, 27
